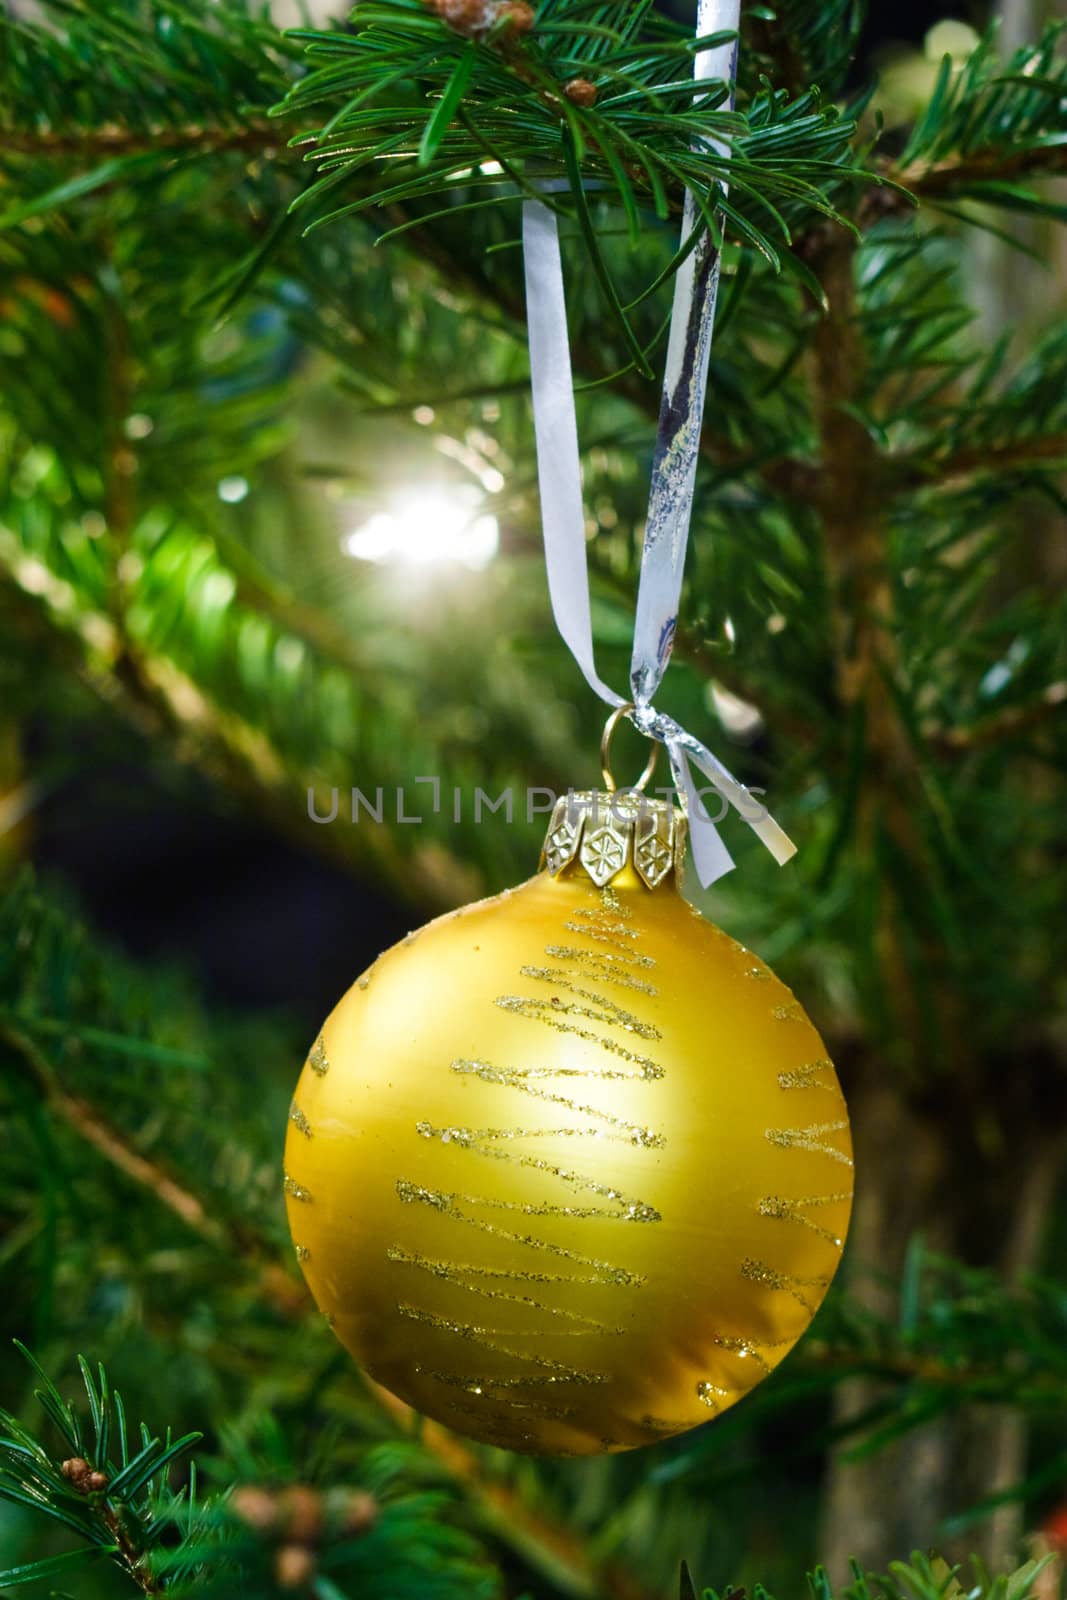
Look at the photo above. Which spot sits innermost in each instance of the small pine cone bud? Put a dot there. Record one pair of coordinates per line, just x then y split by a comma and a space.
301, 1513
254, 1506
475, 17
294, 1566
466, 16
76, 1470
519, 14
95, 1482
360, 1511
580, 92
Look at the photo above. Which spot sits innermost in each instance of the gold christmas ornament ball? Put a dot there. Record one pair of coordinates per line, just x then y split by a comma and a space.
568, 1170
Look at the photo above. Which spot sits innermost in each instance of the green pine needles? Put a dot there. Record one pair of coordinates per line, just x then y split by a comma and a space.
141, 1508
115, 1499
500, 103
137, 1503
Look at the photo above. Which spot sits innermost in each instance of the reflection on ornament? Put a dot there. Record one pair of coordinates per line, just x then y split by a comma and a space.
571, 1172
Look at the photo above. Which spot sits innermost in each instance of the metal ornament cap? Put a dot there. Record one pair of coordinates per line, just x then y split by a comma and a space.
610, 836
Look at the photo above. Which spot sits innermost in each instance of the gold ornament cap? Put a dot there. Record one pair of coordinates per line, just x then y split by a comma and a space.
603, 833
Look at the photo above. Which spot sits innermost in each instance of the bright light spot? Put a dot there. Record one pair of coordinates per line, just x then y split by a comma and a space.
737, 716
289, 653
729, 630
138, 426
232, 490
130, 567
492, 480
424, 415
97, 632
426, 530
950, 38
219, 589
1001, 673
32, 575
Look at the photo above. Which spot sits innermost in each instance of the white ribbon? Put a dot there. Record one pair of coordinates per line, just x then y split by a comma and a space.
671, 493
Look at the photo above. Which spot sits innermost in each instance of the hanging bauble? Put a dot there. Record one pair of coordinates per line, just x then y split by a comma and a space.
568, 1169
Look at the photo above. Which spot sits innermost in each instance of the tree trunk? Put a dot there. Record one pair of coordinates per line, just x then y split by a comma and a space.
873, 1507
911, 1180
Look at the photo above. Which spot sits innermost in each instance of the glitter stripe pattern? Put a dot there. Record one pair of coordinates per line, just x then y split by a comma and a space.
463, 1275
812, 1075
760, 1272
298, 1119
575, 1006
489, 1339
811, 1138
412, 1193
519, 1078
795, 1211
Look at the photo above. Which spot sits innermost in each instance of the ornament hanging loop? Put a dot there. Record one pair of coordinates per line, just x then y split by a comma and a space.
605, 752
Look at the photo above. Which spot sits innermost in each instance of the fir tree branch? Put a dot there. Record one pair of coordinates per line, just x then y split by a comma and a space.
89, 1125
988, 124
1008, 724
257, 136
159, 700
647, 133
261, 1532
999, 164
1042, 1393
237, 1240
905, 473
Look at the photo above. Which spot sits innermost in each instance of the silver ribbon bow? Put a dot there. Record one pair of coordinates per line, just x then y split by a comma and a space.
671, 492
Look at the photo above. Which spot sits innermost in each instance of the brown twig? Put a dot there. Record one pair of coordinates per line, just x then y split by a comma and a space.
156, 698
133, 1558
921, 1368
279, 1288
1008, 724
84, 1480
112, 1145
91, 1127
905, 473
983, 166
904, 187
258, 135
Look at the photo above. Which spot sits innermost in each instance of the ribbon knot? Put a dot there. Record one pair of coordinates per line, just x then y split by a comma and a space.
710, 855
